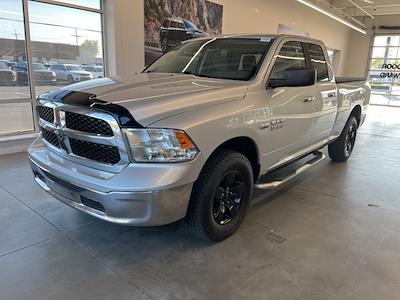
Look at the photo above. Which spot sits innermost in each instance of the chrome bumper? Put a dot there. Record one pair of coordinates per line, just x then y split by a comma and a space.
149, 208
137, 195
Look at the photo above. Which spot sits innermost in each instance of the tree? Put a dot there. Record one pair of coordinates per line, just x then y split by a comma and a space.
90, 48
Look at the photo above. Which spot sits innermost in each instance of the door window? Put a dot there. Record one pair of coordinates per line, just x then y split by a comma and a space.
173, 24
166, 23
290, 56
318, 61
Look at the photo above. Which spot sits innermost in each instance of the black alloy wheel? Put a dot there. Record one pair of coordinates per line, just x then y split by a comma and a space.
221, 196
340, 150
350, 139
228, 198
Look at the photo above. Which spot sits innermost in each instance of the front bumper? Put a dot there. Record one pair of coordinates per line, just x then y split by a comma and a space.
47, 80
124, 205
82, 78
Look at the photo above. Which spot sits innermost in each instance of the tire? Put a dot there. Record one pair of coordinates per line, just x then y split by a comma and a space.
217, 208
70, 79
164, 45
341, 149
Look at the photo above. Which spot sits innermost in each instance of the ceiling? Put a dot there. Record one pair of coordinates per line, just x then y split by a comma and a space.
361, 8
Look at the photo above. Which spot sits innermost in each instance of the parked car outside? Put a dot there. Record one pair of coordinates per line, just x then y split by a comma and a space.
70, 73
96, 71
175, 30
7, 76
48, 64
41, 75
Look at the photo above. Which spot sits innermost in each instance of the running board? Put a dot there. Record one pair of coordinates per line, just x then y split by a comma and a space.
274, 182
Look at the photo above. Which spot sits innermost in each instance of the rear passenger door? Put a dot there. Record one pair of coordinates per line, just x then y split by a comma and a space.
325, 101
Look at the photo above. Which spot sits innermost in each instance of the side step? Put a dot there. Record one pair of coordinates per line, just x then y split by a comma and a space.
275, 179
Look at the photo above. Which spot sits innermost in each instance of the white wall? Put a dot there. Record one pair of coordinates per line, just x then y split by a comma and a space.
359, 45
125, 32
124, 35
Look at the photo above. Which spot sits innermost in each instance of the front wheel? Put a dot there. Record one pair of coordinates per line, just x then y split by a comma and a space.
341, 149
164, 45
221, 196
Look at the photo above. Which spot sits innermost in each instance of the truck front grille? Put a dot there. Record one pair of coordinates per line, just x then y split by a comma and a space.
102, 153
45, 113
50, 137
83, 134
87, 124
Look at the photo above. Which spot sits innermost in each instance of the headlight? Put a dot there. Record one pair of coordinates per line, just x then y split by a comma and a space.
160, 145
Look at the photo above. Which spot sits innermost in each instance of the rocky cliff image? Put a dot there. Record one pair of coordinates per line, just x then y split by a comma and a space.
168, 22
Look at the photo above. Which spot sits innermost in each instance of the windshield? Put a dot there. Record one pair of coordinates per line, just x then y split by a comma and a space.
74, 68
39, 67
228, 58
3, 66
190, 25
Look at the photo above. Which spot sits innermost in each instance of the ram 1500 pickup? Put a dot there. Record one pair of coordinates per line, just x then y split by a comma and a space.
190, 136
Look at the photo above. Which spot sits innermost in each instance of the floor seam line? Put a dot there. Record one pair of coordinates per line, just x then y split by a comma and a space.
61, 233
31, 208
130, 282
31, 245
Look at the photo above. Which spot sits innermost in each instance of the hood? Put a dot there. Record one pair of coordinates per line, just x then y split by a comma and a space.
150, 97
200, 33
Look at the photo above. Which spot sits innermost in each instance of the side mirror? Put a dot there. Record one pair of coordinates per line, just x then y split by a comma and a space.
295, 77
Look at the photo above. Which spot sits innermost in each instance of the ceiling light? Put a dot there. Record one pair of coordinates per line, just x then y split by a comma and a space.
332, 16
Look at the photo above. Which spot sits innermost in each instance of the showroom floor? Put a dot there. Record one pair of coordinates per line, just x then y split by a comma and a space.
333, 233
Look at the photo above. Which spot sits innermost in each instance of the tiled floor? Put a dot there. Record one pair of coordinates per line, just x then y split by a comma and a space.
339, 225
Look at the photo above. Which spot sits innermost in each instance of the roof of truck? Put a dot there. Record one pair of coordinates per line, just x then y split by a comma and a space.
259, 36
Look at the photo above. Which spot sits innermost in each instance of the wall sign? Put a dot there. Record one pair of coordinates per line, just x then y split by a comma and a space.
169, 22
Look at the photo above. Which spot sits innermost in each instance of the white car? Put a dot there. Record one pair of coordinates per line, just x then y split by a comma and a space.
70, 73
96, 71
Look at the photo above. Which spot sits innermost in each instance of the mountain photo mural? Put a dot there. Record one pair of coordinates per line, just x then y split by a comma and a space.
169, 22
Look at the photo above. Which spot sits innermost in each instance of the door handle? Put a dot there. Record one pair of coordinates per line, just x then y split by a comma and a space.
309, 99
331, 95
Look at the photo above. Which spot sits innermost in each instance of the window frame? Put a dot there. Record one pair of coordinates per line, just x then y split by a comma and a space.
28, 47
306, 47
278, 50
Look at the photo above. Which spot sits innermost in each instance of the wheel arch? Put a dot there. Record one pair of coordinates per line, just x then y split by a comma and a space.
245, 145
356, 112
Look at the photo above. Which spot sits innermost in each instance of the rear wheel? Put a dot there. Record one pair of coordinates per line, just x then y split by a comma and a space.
221, 196
341, 149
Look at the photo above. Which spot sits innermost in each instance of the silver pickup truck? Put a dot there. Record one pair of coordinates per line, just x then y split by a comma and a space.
190, 136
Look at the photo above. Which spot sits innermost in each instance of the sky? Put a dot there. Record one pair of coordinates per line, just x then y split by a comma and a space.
61, 24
